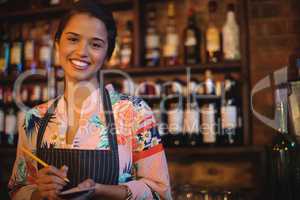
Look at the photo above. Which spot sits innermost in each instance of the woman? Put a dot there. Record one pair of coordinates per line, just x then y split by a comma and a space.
118, 152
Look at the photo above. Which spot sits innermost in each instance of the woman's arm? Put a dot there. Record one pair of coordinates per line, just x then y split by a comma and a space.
149, 161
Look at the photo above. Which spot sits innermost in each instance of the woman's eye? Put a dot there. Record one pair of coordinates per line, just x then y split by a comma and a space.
72, 39
96, 45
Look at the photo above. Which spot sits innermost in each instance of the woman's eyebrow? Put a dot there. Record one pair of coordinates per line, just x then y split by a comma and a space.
98, 39
72, 33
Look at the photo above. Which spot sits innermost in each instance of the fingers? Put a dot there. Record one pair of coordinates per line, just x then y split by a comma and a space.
51, 170
50, 179
86, 184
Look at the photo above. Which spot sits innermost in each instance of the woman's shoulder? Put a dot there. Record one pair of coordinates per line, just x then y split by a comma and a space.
120, 99
41, 109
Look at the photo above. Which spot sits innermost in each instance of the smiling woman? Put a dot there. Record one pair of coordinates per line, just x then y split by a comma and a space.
95, 136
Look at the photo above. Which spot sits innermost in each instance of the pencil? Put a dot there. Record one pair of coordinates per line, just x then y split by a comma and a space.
40, 161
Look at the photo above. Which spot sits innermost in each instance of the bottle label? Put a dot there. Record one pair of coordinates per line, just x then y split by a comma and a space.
175, 121
191, 121
16, 54
190, 39
171, 46
209, 86
152, 41
29, 50
10, 124
229, 117
213, 40
125, 55
45, 54
208, 124
1, 121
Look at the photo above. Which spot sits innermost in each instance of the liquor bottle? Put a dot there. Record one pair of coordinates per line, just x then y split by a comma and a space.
229, 113
231, 36
171, 43
152, 40
126, 48
10, 126
17, 52
45, 49
192, 39
208, 123
213, 36
192, 124
30, 49
175, 124
282, 153
4, 52
209, 83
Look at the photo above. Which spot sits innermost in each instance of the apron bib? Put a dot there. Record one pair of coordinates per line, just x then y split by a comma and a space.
100, 165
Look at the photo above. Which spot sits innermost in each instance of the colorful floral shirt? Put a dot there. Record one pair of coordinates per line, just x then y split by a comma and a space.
142, 160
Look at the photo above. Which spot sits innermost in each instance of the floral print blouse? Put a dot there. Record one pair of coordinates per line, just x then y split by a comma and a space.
142, 161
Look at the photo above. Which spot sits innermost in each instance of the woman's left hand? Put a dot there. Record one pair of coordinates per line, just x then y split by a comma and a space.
86, 184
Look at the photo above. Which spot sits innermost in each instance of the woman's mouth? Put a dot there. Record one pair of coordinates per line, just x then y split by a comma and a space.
80, 64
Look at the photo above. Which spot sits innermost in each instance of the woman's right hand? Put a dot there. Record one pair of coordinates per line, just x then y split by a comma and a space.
50, 182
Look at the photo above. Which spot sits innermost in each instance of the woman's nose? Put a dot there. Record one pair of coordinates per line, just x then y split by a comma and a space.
82, 49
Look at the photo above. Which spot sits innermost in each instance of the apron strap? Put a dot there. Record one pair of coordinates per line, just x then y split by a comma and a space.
44, 123
110, 122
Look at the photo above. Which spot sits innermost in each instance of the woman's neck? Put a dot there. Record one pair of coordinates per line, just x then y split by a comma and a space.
76, 92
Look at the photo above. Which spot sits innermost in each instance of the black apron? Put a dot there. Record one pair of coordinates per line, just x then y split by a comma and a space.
100, 165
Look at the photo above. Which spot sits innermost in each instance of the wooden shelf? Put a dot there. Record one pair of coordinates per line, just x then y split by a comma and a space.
186, 154
56, 11
234, 66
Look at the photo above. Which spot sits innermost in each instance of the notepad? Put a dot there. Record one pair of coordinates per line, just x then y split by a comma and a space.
75, 192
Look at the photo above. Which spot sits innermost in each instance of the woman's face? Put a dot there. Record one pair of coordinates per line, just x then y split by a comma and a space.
82, 47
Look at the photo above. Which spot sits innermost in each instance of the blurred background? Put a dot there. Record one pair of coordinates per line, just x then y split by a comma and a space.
195, 62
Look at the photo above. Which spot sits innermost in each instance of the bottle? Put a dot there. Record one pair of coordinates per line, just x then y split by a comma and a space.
17, 52
283, 152
171, 43
231, 36
208, 123
45, 49
30, 50
192, 124
229, 113
152, 40
175, 124
4, 52
126, 50
10, 126
213, 36
209, 83
192, 39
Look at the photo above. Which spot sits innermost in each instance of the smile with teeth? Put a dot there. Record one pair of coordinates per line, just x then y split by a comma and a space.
79, 63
